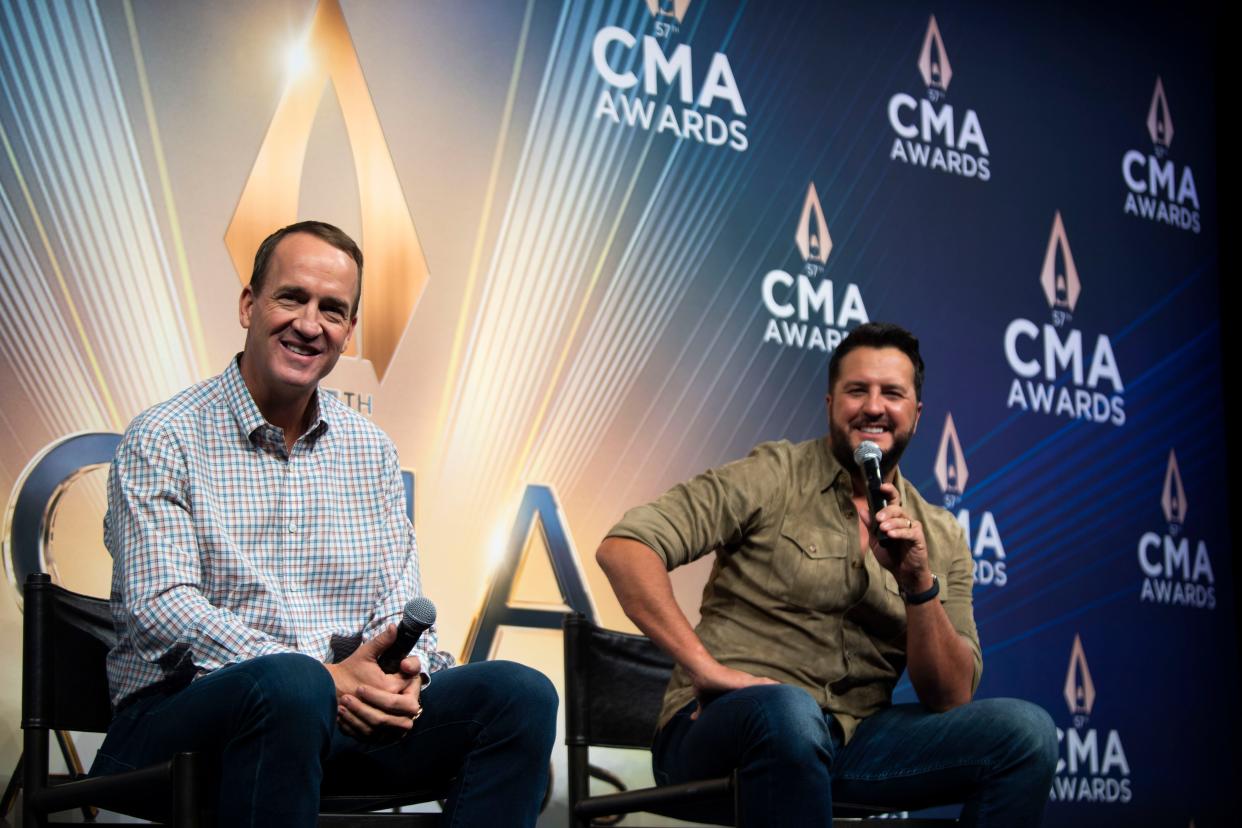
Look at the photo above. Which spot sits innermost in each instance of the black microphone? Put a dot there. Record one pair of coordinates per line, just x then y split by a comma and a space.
868, 456
419, 615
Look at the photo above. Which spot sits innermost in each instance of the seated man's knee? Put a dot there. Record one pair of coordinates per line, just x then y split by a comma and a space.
1026, 728
521, 696
785, 720
534, 689
293, 683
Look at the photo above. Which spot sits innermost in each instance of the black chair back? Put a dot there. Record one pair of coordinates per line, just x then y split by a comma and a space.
614, 686
65, 681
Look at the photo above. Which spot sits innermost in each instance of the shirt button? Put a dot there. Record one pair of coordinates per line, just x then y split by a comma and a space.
811, 549
293, 526
857, 564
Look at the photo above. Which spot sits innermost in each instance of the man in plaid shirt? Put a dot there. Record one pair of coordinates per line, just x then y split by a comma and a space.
261, 557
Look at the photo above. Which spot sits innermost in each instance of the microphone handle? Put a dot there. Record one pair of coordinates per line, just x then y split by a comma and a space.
407, 637
875, 497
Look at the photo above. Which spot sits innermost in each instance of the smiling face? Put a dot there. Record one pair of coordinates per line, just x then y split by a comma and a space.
873, 399
298, 323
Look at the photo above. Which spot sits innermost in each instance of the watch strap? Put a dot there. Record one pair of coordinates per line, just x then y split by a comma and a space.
924, 596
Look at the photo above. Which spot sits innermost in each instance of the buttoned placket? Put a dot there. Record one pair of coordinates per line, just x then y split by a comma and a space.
291, 554
859, 573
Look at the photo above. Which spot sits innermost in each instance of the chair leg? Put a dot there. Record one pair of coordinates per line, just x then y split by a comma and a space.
187, 795
10, 790
579, 782
34, 774
734, 790
74, 763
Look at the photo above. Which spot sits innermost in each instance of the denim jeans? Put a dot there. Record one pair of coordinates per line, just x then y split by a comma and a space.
997, 756
271, 722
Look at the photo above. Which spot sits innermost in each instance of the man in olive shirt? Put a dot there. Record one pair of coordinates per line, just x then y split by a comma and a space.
808, 621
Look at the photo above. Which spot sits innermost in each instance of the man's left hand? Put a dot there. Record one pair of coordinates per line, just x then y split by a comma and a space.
377, 716
906, 555
372, 705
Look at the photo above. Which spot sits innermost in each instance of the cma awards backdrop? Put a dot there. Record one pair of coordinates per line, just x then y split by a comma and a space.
611, 244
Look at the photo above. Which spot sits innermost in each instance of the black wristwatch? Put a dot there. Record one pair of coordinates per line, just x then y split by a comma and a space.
924, 596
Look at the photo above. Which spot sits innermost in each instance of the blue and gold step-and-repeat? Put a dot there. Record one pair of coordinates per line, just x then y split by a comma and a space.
611, 244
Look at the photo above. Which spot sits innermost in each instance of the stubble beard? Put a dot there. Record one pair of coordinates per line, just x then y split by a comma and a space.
839, 442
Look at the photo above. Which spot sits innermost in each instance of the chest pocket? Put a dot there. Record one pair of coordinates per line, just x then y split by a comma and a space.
809, 566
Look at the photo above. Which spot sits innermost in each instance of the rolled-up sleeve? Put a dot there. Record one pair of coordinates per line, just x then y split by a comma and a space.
716, 509
959, 597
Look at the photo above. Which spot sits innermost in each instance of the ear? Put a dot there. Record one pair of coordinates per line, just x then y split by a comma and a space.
244, 306
353, 323
918, 412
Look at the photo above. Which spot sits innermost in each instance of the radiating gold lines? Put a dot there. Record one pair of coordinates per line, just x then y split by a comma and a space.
117, 422
567, 344
476, 254
174, 223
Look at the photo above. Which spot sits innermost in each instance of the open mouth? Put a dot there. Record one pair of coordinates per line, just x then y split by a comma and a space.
299, 349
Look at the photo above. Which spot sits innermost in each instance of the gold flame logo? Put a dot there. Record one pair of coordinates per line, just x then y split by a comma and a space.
951, 472
669, 8
1079, 688
1159, 122
1059, 277
396, 270
1173, 496
934, 60
814, 243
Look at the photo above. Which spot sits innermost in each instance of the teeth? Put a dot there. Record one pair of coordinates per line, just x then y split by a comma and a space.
298, 349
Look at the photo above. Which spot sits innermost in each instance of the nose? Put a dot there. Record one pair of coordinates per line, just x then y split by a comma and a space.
307, 324
874, 404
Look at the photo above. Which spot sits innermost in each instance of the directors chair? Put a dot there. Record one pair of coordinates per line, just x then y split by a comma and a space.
614, 687
66, 638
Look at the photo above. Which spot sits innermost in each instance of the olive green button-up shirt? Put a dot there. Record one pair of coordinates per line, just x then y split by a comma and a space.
792, 596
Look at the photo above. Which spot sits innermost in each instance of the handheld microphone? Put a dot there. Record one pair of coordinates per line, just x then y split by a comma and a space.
868, 456
418, 617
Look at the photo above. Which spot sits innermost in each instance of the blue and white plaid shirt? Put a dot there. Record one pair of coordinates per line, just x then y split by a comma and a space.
226, 547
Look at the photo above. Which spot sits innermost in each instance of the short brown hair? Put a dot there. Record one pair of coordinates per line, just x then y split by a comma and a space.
879, 335
330, 233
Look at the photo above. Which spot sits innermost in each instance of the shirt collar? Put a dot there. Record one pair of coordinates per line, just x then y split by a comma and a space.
251, 420
835, 474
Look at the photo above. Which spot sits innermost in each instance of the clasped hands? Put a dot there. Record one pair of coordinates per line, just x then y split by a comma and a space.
371, 705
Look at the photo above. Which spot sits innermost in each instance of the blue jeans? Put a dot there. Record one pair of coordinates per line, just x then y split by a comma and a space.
271, 722
995, 755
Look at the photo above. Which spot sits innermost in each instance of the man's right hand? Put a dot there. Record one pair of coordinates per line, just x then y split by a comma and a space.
714, 679
638, 576
372, 704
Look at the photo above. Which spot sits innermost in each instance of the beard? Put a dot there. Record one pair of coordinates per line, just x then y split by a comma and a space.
839, 442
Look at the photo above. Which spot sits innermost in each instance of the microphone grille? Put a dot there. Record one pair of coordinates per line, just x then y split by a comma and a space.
420, 612
867, 450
